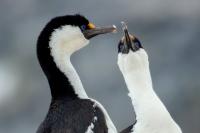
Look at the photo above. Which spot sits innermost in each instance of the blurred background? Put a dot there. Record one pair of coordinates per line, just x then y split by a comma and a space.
169, 31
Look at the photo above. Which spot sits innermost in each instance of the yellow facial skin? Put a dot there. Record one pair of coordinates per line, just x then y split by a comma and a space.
91, 26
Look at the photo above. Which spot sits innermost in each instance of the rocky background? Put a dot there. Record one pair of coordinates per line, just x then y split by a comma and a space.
169, 31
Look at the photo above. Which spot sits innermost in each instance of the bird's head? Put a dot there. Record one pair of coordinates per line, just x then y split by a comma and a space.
128, 42
71, 31
131, 55
64, 35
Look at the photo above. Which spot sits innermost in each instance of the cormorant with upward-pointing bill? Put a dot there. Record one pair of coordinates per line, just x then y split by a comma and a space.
151, 114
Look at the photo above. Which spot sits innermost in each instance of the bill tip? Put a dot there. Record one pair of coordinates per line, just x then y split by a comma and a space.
124, 26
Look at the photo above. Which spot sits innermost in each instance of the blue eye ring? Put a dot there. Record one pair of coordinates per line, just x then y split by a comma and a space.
83, 27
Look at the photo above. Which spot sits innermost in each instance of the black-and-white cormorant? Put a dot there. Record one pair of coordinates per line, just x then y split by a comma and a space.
151, 114
71, 110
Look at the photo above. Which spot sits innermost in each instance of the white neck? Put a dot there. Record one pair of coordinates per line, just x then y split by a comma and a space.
151, 114
63, 43
74, 79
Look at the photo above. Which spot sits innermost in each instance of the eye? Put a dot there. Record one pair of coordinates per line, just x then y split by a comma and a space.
137, 43
83, 27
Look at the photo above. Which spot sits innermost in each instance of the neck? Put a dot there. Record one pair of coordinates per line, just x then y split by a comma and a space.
54, 58
145, 101
73, 78
64, 82
151, 114
64, 64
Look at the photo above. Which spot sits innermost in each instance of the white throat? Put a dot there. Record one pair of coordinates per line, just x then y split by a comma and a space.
63, 43
151, 114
